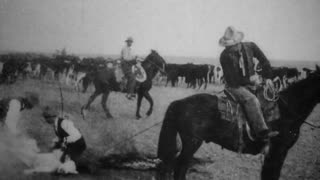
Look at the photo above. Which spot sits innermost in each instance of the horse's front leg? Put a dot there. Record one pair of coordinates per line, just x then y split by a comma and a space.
139, 100
165, 171
273, 162
90, 100
189, 147
150, 100
104, 104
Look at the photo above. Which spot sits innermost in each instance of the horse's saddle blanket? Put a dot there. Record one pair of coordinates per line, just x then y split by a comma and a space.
231, 110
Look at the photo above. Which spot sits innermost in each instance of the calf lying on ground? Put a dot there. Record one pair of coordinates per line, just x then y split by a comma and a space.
50, 162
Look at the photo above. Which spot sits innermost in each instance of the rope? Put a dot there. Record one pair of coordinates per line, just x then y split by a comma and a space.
312, 125
61, 97
131, 137
270, 93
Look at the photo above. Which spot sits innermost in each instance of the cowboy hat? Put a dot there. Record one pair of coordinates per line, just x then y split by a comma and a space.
49, 112
32, 98
231, 37
129, 39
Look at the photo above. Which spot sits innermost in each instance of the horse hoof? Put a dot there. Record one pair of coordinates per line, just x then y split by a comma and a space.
109, 116
148, 113
138, 117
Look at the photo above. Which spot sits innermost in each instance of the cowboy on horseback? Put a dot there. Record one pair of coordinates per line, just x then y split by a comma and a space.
128, 60
238, 67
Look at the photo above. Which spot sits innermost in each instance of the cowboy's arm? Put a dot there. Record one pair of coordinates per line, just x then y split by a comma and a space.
122, 54
73, 132
13, 115
265, 64
230, 70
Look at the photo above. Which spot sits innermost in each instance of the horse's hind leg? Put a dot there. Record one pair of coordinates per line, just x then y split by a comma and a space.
104, 104
150, 100
189, 147
90, 100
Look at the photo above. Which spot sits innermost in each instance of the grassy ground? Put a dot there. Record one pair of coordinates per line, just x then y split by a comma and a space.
303, 161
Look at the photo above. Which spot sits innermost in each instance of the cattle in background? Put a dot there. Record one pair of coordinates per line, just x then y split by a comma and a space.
87, 65
12, 69
201, 75
211, 77
307, 71
219, 75
172, 71
194, 75
159, 78
282, 76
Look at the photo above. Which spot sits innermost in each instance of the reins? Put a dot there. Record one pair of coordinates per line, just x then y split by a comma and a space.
312, 125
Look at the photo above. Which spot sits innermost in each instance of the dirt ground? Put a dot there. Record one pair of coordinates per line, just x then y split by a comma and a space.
303, 160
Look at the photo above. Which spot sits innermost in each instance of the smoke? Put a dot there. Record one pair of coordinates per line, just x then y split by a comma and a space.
17, 152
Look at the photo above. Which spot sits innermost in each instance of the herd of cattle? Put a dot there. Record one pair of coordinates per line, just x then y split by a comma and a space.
72, 69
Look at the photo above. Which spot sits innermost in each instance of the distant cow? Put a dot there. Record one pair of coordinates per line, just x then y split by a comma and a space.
11, 70
193, 74
218, 75
283, 75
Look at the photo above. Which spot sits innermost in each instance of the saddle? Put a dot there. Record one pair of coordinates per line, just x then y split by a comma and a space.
121, 71
231, 110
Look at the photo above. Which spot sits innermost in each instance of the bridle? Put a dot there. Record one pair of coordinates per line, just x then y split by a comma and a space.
161, 69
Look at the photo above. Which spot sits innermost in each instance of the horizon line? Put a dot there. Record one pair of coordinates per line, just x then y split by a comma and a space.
166, 55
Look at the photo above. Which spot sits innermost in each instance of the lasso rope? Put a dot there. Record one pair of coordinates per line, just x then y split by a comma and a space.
61, 96
270, 93
112, 147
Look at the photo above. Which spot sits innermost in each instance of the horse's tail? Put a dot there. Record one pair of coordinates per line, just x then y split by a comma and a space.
167, 146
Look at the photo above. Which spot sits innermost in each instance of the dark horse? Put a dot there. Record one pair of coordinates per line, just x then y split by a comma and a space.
104, 81
196, 119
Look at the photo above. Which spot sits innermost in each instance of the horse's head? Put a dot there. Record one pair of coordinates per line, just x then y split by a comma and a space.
313, 81
156, 61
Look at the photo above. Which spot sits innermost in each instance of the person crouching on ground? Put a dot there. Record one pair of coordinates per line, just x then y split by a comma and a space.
69, 138
11, 108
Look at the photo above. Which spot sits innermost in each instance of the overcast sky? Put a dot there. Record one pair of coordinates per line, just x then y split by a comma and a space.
284, 29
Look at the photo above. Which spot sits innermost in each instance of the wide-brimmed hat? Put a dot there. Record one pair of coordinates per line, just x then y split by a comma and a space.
129, 39
49, 112
231, 37
139, 59
32, 98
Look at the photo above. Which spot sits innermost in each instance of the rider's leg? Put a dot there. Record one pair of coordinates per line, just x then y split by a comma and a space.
253, 110
126, 67
131, 84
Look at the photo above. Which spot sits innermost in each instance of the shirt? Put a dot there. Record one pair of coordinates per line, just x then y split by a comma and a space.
238, 73
68, 126
13, 115
127, 53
